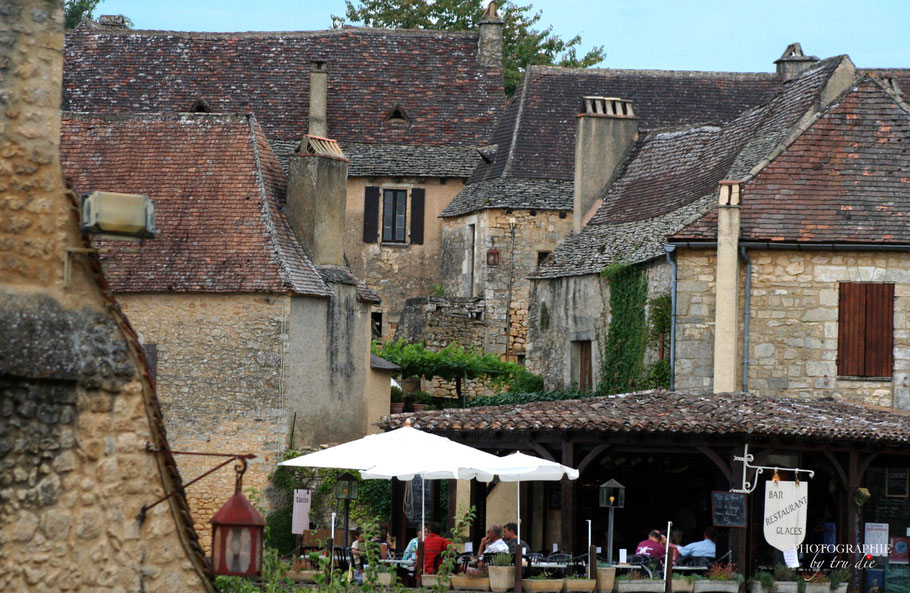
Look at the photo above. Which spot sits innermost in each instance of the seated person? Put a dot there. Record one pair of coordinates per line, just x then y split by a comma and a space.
410, 552
357, 553
433, 546
491, 543
383, 540
704, 549
652, 547
510, 536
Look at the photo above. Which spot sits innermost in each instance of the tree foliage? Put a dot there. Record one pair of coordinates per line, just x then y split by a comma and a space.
75, 10
523, 43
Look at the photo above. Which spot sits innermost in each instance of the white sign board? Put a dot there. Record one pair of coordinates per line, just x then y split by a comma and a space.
300, 521
785, 513
876, 539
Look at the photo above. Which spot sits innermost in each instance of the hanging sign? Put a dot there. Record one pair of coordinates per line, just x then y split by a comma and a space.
785, 513
300, 521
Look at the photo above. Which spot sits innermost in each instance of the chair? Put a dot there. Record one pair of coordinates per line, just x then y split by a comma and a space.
559, 557
533, 557
577, 565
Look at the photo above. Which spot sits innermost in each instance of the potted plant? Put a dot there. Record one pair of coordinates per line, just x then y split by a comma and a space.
542, 583
638, 582
684, 583
471, 582
762, 581
840, 578
386, 575
785, 580
721, 578
431, 581
306, 568
420, 400
819, 583
396, 405
579, 583
502, 572
606, 575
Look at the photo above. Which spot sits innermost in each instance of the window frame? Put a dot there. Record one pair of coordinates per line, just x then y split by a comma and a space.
401, 200
865, 330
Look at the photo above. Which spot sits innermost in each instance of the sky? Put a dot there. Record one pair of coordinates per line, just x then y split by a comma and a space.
714, 35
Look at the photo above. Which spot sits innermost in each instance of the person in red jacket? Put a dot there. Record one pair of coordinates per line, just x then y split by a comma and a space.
433, 545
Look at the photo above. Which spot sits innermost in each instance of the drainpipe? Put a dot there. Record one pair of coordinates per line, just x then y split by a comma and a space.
509, 301
747, 297
671, 249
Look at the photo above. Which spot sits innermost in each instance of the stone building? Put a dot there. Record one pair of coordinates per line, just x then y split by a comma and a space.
82, 445
407, 107
672, 178
259, 332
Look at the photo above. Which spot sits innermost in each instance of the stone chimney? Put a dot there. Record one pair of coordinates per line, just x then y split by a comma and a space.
318, 96
793, 62
607, 128
489, 46
112, 21
318, 182
726, 314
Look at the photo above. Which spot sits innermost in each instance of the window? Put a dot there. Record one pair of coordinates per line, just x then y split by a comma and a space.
376, 324
392, 211
542, 255
583, 365
865, 337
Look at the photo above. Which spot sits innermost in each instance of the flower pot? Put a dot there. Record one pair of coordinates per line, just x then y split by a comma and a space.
818, 587
396, 407
542, 585
712, 586
428, 581
386, 578
754, 587
303, 576
639, 586
579, 585
682, 585
785, 587
466, 583
842, 588
502, 578
605, 578
419, 407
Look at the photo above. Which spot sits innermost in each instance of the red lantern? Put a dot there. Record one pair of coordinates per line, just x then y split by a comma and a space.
237, 532
493, 256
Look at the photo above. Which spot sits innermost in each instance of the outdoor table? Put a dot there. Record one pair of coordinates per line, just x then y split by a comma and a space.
633, 567
690, 568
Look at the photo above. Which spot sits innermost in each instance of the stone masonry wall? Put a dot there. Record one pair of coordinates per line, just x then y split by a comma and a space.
76, 409
794, 322
221, 384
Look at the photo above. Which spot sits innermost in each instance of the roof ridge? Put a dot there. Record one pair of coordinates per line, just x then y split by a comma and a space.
266, 34
645, 71
514, 143
151, 115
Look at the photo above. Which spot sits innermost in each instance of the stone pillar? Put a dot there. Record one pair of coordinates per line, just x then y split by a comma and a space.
318, 98
726, 312
489, 45
606, 130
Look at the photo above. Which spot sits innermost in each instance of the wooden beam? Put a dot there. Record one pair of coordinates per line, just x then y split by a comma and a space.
543, 452
839, 468
567, 512
594, 454
853, 481
724, 467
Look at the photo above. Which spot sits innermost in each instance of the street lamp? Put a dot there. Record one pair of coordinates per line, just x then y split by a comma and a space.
612, 496
237, 532
347, 487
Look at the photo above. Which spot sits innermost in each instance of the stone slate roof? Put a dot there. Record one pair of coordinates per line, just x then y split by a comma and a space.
846, 179
433, 76
218, 193
380, 363
512, 192
670, 179
535, 137
745, 416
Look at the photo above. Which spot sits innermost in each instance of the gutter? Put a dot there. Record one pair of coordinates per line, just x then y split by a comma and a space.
798, 246
670, 250
747, 297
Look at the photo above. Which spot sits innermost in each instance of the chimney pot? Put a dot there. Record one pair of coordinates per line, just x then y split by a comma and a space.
318, 97
793, 62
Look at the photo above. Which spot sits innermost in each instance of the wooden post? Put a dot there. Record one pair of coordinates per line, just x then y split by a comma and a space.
518, 568
669, 588
853, 519
592, 562
567, 515
418, 565
330, 550
738, 535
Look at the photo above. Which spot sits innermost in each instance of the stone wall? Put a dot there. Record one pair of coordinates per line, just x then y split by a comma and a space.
397, 272
77, 410
221, 382
794, 322
535, 231
573, 309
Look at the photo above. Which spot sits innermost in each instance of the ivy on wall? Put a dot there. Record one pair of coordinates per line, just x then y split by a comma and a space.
627, 335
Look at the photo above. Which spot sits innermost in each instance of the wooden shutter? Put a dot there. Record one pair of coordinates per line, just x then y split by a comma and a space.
371, 215
584, 366
418, 207
151, 356
865, 336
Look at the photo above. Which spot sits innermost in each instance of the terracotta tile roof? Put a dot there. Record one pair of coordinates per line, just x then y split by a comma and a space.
535, 138
846, 179
434, 76
670, 179
736, 415
217, 190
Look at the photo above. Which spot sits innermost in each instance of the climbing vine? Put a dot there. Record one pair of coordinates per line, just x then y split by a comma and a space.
627, 335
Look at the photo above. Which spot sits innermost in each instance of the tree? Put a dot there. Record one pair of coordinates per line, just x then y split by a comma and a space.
75, 10
522, 44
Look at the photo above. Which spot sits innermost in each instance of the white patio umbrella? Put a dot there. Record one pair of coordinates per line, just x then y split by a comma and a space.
517, 467
401, 453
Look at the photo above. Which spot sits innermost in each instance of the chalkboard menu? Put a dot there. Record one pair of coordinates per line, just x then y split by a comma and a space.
414, 510
728, 509
896, 482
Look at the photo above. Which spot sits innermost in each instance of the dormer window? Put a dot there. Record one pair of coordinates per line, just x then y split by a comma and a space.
398, 116
200, 106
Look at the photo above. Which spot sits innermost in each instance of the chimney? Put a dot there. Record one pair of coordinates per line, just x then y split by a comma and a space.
318, 95
726, 314
607, 128
112, 21
317, 192
793, 62
489, 46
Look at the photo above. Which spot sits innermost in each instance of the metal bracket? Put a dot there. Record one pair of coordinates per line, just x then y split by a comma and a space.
748, 458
